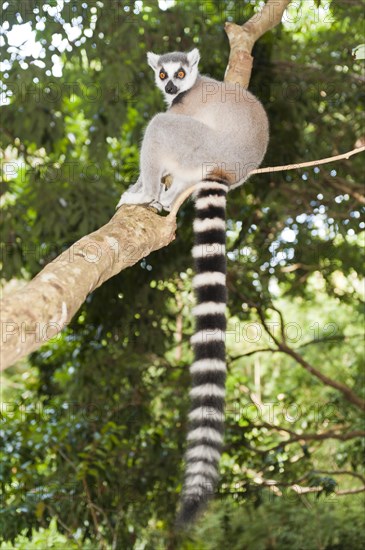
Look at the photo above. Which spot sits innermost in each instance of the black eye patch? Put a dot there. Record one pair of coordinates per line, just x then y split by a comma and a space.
162, 74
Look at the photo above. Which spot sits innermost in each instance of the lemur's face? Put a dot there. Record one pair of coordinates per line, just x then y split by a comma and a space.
174, 72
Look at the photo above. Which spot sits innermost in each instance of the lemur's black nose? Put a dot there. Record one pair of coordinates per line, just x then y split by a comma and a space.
170, 88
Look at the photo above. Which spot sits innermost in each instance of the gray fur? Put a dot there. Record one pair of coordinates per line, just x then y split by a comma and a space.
173, 57
217, 130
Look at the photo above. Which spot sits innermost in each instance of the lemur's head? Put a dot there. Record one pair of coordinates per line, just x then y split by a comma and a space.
175, 72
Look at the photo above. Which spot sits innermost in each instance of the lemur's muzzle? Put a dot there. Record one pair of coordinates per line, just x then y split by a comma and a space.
170, 88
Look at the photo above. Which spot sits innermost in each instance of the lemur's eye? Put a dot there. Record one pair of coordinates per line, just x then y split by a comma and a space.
181, 74
162, 75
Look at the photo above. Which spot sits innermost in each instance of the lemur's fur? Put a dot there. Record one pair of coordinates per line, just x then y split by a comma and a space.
214, 133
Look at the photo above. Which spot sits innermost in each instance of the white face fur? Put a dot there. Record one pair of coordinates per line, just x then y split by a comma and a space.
176, 76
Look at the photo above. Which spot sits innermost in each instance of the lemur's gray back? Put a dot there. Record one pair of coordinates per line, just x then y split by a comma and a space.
238, 120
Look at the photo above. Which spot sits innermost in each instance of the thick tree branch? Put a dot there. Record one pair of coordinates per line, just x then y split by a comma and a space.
45, 306
243, 37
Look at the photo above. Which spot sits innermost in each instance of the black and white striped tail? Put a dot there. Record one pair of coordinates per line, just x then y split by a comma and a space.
208, 372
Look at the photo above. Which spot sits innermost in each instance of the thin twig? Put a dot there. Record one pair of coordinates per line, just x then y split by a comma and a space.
300, 490
268, 169
342, 436
347, 392
70, 534
309, 163
90, 505
340, 473
248, 353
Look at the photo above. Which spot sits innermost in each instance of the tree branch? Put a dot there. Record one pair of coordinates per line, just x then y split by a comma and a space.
248, 353
45, 306
311, 163
300, 490
345, 390
345, 187
305, 490
342, 435
331, 434
340, 473
90, 505
330, 340
282, 346
243, 37
350, 491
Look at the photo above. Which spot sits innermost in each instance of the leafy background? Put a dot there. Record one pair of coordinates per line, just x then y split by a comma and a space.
94, 423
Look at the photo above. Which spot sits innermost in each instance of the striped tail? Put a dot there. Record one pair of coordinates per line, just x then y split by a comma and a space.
208, 372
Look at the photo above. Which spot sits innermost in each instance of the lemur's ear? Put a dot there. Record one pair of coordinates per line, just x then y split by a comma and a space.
152, 59
193, 57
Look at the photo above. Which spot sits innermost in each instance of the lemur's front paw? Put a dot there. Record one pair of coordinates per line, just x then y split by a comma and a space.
134, 198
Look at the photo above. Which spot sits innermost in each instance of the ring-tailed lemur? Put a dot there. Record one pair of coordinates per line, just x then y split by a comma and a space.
214, 133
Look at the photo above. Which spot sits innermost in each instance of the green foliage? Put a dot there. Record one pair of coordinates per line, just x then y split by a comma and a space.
46, 538
283, 523
94, 423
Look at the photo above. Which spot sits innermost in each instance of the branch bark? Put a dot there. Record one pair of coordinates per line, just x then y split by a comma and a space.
45, 306
243, 37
